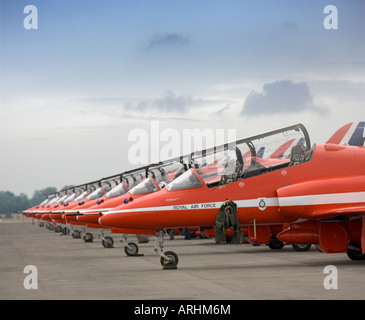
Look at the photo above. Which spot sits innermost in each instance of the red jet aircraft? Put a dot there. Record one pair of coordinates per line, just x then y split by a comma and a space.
158, 175
318, 193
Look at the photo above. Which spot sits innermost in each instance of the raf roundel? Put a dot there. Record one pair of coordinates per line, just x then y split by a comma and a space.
262, 204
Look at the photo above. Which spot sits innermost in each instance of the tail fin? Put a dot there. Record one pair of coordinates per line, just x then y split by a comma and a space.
279, 153
260, 153
351, 134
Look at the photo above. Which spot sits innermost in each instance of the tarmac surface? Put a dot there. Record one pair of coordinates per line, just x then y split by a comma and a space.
71, 269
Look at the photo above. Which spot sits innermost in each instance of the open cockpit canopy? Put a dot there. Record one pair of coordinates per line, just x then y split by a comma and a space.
165, 172
159, 176
247, 157
226, 163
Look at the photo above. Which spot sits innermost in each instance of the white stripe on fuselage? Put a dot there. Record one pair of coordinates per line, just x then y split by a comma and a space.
317, 199
320, 199
95, 211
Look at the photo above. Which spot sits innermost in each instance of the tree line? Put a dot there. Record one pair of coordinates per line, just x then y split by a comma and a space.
11, 203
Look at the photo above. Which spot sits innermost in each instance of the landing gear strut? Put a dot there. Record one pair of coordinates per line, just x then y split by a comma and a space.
169, 259
107, 242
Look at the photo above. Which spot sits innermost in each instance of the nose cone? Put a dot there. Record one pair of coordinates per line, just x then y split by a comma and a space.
140, 213
56, 216
89, 218
114, 220
108, 220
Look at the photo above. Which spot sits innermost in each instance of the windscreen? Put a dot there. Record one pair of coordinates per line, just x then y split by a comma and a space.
44, 202
62, 199
53, 200
117, 191
96, 194
146, 186
81, 196
70, 198
187, 180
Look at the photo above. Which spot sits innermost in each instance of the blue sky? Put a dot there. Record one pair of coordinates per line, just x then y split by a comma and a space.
72, 90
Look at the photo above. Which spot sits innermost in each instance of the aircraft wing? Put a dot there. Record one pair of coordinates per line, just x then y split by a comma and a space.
134, 231
323, 198
335, 212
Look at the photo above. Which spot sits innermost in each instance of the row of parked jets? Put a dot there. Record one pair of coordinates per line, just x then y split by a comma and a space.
274, 188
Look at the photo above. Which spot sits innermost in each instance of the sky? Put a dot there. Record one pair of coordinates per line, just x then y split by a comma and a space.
73, 90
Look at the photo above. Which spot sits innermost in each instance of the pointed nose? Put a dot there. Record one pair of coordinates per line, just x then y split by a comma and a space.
106, 220
89, 218
111, 220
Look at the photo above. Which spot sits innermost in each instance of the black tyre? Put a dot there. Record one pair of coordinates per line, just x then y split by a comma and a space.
301, 246
132, 250
172, 262
107, 242
275, 244
88, 237
355, 254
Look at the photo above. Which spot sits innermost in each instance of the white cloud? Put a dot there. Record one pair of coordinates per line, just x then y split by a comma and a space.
280, 97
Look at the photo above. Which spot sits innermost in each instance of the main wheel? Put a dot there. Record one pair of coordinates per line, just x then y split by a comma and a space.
172, 262
88, 237
355, 254
131, 250
107, 242
275, 244
301, 246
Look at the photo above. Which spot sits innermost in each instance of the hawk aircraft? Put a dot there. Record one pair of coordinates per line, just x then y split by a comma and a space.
317, 193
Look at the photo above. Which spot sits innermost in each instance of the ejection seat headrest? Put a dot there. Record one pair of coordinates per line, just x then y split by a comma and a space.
298, 153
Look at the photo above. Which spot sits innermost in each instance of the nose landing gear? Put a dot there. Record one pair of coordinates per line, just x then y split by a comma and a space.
169, 259
130, 248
